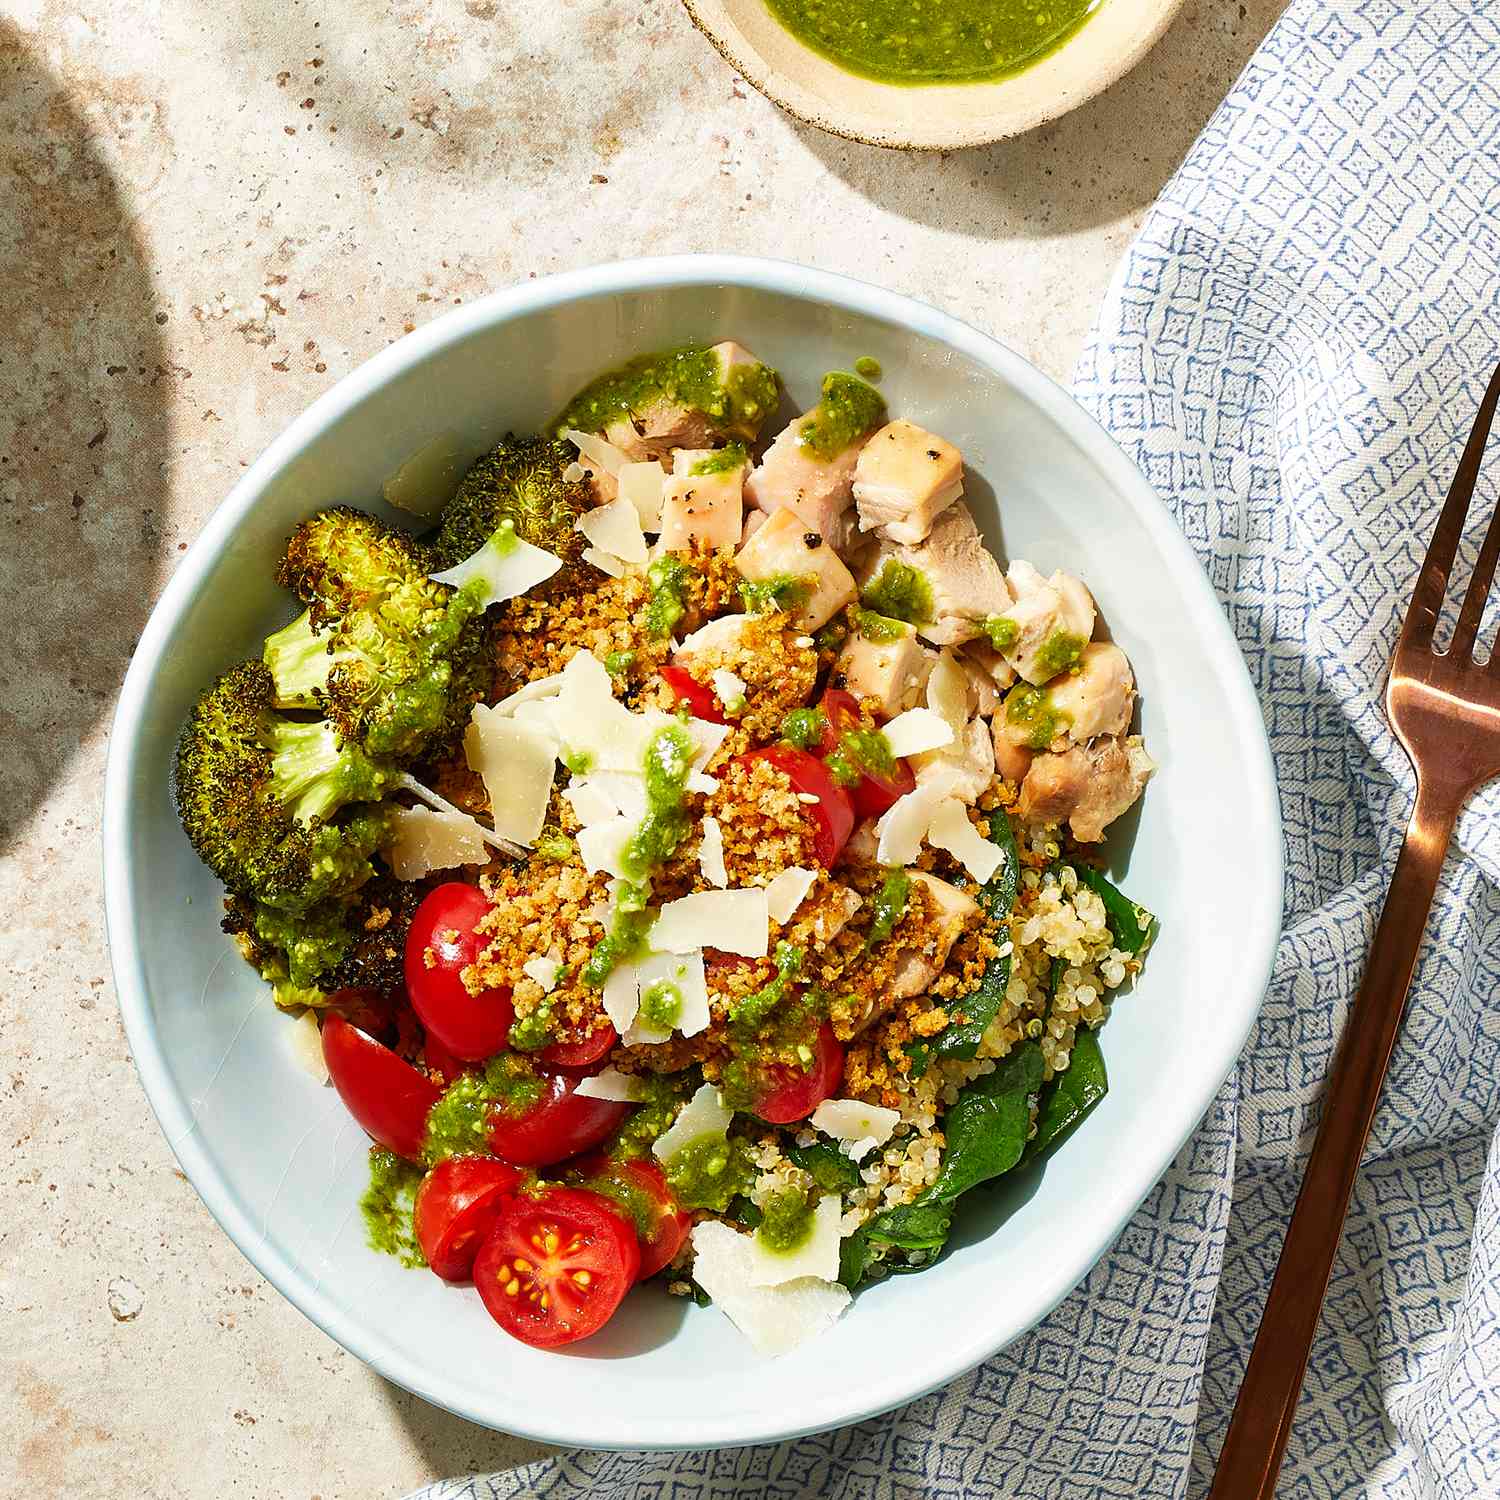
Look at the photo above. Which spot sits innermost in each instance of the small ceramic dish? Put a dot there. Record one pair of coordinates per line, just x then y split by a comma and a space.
277, 1158
935, 117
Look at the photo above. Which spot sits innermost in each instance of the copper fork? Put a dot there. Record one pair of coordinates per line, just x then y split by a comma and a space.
1445, 710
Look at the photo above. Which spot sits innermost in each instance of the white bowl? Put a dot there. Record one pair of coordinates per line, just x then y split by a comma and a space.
275, 1157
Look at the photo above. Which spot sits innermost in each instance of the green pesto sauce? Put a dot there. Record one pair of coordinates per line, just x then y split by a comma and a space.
880, 629
1002, 631
868, 366
1059, 651
459, 1121
786, 1221
666, 608
387, 1207
908, 42
900, 592
848, 410
669, 759
721, 462
860, 752
782, 591
626, 936
751, 1013
532, 1030
665, 1094
708, 1171
890, 905
661, 1006
618, 663
579, 762
556, 846
1031, 708
803, 727
504, 539
637, 1204
690, 376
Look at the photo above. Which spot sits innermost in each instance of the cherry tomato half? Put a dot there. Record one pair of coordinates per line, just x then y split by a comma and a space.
873, 793
556, 1266
456, 1207
440, 1060
794, 1094
702, 702
660, 1226
582, 1054
832, 813
386, 1095
441, 944
559, 1125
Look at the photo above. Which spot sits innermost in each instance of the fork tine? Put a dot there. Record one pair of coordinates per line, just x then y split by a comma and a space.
1479, 592
1432, 581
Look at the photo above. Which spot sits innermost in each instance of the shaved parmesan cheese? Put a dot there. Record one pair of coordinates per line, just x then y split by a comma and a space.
722, 634
902, 826
817, 1255
544, 971
423, 841
641, 485
594, 731
623, 1088
733, 921
591, 804
602, 846
504, 567
615, 528
626, 790
774, 1318
788, 891
698, 782
425, 482
621, 997
916, 730
711, 854
544, 687
861, 1127
728, 689
950, 829
410, 784
307, 1046
948, 692
706, 738
598, 452
704, 1114
515, 763
684, 972
606, 562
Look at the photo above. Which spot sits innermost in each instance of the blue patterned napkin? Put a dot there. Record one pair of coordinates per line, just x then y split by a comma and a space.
1293, 352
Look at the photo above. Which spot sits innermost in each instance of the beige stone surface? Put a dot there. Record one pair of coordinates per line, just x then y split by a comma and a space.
210, 210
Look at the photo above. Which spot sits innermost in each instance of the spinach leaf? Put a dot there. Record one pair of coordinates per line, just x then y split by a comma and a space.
921, 1055
826, 1165
1131, 926
1069, 1096
987, 1125
919, 1230
743, 1212
998, 897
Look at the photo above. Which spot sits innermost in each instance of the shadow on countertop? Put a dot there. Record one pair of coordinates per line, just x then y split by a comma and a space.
1106, 159
83, 424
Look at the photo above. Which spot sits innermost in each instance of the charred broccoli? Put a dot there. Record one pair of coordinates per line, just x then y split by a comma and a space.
393, 659
521, 481
258, 794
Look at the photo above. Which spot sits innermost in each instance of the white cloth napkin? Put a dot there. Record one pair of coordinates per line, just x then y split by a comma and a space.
1293, 352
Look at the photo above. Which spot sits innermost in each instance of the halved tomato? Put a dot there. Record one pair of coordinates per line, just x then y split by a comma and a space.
875, 791
581, 1054
388, 1098
702, 702
793, 1093
455, 1209
831, 810
559, 1125
441, 944
640, 1188
556, 1266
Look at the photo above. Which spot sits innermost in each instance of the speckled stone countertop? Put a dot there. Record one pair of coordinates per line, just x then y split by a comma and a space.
210, 210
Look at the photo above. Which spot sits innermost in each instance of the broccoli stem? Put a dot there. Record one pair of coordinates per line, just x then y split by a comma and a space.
299, 659
314, 776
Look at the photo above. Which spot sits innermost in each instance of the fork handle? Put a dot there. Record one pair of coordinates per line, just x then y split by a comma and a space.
1256, 1441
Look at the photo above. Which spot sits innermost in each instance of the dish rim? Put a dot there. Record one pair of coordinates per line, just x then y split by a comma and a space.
1184, 1109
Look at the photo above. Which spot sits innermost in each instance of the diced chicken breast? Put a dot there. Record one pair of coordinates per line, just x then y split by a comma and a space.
892, 672
988, 660
706, 508
1087, 786
722, 634
1097, 696
961, 574
1049, 622
817, 490
963, 769
863, 845
905, 477
915, 971
786, 548
834, 911
1012, 760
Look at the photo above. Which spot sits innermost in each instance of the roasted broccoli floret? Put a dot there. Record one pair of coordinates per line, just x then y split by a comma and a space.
266, 800
520, 481
393, 659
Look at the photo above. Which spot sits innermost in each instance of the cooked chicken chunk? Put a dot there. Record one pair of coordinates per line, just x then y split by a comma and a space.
891, 671
863, 846
956, 569
1096, 697
1088, 786
963, 769
722, 634
707, 508
785, 551
983, 655
1012, 761
1048, 625
916, 971
904, 478
816, 490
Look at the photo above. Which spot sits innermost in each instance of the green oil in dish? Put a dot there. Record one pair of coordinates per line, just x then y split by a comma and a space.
932, 41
